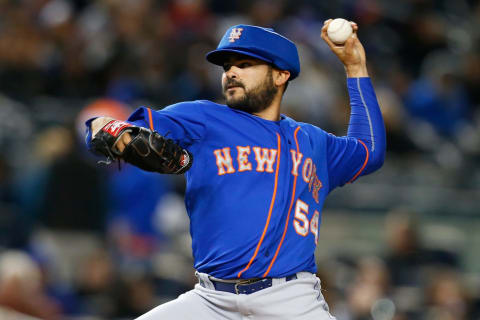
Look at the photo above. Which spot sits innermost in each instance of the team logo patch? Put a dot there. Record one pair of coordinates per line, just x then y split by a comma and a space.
235, 34
114, 127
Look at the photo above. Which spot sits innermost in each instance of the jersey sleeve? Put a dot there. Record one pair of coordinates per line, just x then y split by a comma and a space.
362, 151
183, 122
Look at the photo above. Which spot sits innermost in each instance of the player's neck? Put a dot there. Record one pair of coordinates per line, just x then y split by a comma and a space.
272, 112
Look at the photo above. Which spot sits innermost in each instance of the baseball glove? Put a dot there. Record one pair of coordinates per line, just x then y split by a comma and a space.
147, 150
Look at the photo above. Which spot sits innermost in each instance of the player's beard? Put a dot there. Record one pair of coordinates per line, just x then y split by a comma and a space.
253, 100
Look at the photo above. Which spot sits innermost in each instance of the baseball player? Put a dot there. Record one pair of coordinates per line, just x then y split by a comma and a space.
256, 179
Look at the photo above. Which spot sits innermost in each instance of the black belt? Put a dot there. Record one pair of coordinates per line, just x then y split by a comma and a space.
245, 286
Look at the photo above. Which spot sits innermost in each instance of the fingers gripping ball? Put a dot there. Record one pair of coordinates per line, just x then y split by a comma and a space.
147, 150
339, 30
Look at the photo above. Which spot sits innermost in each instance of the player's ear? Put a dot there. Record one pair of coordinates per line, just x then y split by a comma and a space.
281, 77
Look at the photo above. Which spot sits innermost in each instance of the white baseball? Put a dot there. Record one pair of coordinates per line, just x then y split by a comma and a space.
339, 30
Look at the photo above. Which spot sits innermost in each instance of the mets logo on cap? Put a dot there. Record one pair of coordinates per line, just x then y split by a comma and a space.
235, 34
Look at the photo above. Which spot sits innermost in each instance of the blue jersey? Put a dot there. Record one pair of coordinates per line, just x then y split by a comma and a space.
256, 189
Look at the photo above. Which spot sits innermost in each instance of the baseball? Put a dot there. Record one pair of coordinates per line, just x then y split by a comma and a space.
339, 30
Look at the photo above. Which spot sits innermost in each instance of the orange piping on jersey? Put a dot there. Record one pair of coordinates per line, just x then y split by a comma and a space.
364, 164
288, 214
269, 210
150, 119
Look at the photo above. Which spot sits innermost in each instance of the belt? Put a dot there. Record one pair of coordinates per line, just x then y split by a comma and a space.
246, 286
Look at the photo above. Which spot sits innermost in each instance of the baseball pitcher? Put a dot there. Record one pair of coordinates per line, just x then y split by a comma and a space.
256, 179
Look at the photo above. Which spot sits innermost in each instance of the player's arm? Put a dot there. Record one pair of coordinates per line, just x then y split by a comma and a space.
147, 130
363, 150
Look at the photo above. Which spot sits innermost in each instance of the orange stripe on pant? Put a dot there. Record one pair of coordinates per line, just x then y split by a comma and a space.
288, 215
269, 210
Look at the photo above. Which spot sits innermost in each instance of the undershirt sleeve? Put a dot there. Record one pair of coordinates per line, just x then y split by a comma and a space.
362, 151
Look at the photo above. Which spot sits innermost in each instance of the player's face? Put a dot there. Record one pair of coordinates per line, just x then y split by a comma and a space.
248, 84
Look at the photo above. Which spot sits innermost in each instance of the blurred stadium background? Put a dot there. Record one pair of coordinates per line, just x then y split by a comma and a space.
400, 244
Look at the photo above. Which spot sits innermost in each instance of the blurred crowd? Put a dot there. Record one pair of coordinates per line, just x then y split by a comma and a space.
406, 280
73, 244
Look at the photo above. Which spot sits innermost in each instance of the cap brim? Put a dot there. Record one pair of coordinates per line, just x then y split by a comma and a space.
219, 56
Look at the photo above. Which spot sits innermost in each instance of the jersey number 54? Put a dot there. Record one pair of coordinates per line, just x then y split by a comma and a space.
301, 223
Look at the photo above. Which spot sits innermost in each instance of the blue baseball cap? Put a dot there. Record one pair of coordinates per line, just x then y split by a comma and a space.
261, 43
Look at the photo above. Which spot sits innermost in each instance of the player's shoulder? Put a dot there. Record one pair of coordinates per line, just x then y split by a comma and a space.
197, 109
308, 128
315, 135
195, 105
